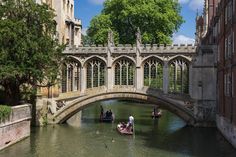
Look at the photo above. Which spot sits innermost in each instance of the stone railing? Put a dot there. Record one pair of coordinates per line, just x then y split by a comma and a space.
15, 127
128, 48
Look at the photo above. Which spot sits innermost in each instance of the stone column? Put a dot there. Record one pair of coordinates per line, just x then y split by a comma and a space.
67, 78
109, 78
70, 33
165, 77
83, 80
190, 80
139, 78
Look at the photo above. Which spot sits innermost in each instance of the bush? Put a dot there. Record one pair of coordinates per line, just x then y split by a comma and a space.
5, 111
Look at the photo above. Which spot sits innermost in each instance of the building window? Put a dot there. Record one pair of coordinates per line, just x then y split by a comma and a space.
153, 73
218, 53
68, 7
77, 73
70, 78
232, 42
179, 76
227, 84
226, 48
63, 5
71, 11
64, 79
95, 73
233, 86
124, 72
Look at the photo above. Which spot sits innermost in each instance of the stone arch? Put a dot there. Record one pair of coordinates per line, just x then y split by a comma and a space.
124, 71
179, 75
150, 57
95, 72
94, 57
71, 75
81, 103
187, 59
123, 57
77, 59
153, 72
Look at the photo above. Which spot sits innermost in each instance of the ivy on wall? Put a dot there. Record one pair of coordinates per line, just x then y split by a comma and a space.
5, 111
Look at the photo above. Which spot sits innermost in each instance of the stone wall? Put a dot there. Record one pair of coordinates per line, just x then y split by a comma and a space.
227, 129
16, 127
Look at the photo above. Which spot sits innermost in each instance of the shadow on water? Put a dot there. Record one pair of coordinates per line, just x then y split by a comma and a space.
170, 134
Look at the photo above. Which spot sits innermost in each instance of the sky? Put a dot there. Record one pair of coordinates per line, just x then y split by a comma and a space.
87, 9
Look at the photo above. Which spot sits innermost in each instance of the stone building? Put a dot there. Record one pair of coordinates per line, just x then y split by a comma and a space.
68, 27
68, 31
217, 35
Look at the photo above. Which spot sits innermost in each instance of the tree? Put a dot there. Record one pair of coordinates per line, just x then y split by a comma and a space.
29, 51
99, 28
157, 20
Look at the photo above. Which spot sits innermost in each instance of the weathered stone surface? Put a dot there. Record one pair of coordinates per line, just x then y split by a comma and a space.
227, 129
16, 127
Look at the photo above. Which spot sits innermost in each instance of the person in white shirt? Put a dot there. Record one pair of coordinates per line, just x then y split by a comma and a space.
130, 122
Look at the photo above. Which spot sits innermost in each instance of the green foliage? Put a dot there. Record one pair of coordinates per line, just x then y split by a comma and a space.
5, 111
29, 52
45, 120
99, 28
157, 20
86, 40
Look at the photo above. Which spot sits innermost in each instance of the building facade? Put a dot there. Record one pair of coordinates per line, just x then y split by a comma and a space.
68, 27
68, 31
218, 31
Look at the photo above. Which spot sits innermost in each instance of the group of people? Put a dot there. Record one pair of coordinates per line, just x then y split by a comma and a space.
107, 115
128, 126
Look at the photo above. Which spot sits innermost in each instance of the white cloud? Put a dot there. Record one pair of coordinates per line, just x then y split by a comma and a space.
183, 1
196, 4
182, 39
193, 4
97, 2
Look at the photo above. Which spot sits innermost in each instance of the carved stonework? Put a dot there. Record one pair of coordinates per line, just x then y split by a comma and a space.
138, 37
110, 38
205, 111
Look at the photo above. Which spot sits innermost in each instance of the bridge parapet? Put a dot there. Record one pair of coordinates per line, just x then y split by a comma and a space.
128, 48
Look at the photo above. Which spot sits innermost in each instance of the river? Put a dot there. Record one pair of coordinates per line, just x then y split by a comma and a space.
165, 137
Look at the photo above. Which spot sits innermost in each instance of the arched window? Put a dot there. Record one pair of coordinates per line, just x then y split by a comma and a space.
124, 72
153, 73
95, 73
70, 77
179, 76
77, 76
64, 79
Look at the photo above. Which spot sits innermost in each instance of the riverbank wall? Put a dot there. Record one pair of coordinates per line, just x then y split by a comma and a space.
227, 129
16, 126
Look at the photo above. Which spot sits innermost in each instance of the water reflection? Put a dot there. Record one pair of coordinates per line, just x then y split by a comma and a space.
166, 137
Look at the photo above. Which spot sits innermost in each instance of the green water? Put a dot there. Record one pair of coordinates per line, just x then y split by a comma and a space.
166, 137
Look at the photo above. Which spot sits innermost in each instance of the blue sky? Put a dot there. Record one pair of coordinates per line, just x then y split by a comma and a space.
86, 9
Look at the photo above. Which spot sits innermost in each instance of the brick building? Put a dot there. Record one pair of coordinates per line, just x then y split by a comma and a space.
218, 30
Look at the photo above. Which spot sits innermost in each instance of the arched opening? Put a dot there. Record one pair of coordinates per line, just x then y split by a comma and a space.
96, 70
64, 78
179, 76
70, 76
153, 73
124, 72
79, 104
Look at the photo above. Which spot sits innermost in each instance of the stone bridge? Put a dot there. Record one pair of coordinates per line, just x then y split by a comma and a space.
181, 105
159, 74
